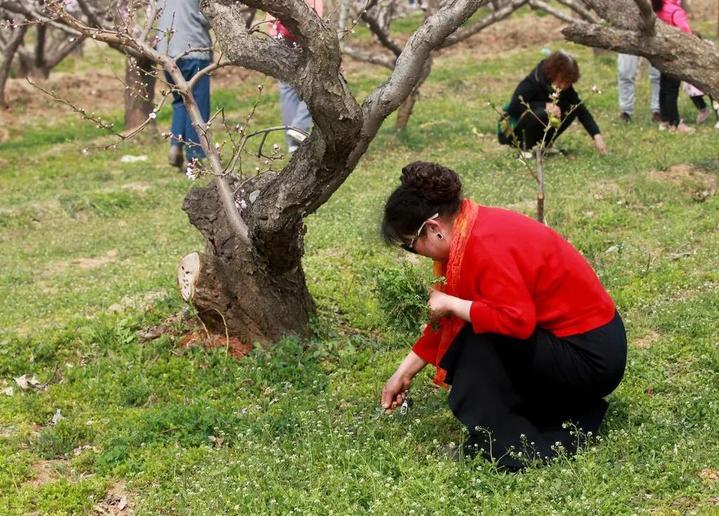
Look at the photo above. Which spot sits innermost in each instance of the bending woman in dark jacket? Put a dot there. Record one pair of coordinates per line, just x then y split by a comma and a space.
558, 72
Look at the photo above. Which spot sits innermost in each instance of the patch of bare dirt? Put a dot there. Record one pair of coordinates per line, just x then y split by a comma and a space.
47, 471
514, 34
647, 341
206, 340
85, 263
94, 91
117, 501
697, 183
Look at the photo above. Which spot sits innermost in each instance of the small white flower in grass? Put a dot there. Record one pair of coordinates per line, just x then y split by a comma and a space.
595, 89
275, 147
191, 172
217, 146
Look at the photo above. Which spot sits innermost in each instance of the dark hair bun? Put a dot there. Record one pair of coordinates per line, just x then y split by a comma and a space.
431, 181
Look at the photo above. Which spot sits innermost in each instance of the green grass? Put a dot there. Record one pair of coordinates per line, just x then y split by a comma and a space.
90, 246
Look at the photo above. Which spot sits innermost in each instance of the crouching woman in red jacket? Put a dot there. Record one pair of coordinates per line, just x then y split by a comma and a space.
525, 333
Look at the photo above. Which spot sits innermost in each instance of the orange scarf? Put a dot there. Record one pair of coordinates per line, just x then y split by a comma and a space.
451, 325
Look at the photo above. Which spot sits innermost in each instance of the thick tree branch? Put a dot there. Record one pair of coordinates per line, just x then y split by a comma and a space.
647, 15
673, 52
255, 51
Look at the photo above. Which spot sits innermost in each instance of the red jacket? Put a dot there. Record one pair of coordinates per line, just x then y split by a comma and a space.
520, 274
672, 14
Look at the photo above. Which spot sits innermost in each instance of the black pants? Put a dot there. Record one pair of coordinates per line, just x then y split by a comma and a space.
668, 95
529, 131
699, 102
514, 396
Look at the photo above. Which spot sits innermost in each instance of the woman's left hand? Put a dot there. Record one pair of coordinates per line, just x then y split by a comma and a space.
440, 304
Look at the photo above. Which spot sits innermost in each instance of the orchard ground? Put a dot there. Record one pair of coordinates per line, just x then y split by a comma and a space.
90, 244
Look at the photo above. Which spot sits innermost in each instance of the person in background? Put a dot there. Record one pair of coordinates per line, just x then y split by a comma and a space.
293, 110
532, 108
184, 32
524, 331
627, 66
671, 13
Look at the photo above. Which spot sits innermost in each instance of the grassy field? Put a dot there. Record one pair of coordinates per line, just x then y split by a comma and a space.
89, 248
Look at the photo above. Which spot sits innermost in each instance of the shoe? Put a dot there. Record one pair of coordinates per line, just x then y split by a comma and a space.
174, 158
625, 117
656, 117
526, 154
296, 135
703, 115
684, 128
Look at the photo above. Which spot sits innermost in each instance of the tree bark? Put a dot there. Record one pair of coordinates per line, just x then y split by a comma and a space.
140, 92
8, 53
631, 28
405, 109
235, 290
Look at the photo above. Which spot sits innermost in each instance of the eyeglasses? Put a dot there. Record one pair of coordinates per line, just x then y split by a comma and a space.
410, 247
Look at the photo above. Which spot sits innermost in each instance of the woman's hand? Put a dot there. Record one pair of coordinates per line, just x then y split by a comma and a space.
599, 144
441, 304
395, 390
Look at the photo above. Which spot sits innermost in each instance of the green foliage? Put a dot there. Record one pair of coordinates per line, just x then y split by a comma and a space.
56, 441
402, 295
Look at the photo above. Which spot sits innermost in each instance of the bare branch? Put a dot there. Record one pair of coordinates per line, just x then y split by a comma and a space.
581, 10
384, 39
369, 57
557, 13
263, 54
673, 52
430, 36
495, 16
648, 18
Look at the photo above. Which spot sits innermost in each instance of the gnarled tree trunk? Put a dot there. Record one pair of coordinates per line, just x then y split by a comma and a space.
235, 290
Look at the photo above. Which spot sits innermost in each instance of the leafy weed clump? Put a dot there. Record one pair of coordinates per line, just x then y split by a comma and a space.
402, 296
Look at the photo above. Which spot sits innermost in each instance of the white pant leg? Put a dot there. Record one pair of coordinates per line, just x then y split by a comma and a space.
626, 75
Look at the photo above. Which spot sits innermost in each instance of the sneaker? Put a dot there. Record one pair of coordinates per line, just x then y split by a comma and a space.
684, 128
526, 154
625, 117
703, 115
174, 158
296, 135
656, 117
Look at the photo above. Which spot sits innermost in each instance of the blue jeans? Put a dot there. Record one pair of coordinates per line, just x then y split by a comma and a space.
181, 128
294, 111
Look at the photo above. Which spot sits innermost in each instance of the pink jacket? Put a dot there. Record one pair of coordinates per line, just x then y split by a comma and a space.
672, 14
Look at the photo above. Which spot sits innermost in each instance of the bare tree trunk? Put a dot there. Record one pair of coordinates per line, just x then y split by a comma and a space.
405, 109
234, 289
140, 92
6, 59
